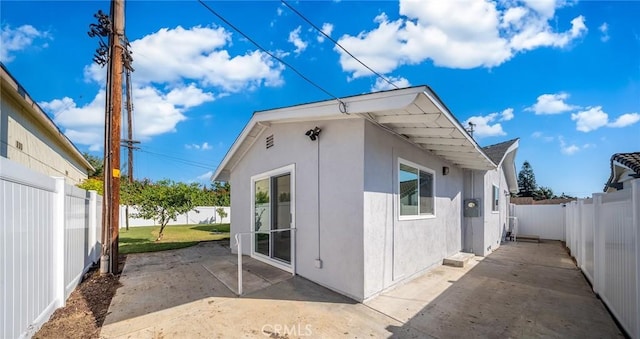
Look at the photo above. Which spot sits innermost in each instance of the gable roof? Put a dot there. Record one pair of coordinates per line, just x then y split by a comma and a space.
415, 114
497, 152
504, 154
619, 162
13, 87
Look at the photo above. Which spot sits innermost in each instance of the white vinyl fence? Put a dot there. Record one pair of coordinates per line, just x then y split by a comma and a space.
603, 234
545, 221
199, 215
49, 236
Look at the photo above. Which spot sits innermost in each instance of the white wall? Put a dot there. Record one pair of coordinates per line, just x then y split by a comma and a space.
199, 215
545, 221
395, 249
340, 199
49, 236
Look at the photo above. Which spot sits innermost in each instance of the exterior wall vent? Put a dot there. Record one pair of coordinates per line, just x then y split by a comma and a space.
270, 141
19, 145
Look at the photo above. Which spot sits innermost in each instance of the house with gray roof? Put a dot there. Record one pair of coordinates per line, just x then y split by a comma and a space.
624, 168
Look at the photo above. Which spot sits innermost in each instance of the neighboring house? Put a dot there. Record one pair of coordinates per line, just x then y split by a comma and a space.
374, 186
29, 137
624, 168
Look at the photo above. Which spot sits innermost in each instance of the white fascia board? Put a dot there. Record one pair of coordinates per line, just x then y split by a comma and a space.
509, 167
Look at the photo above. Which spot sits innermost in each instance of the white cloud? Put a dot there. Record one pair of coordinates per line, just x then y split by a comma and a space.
484, 127
279, 11
294, 38
205, 176
14, 40
625, 120
197, 54
327, 28
205, 146
196, 69
381, 85
542, 136
604, 30
594, 117
552, 104
590, 119
566, 148
456, 34
506, 115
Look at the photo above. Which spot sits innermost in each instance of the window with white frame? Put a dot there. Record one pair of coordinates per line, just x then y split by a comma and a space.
416, 190
496, 199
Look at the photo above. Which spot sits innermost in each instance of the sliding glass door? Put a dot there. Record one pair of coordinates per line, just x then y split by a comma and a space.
273, 211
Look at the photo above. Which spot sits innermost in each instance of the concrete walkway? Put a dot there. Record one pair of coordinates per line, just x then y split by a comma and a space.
521, 290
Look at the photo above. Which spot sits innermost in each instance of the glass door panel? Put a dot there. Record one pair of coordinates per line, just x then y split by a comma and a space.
281, 217
262, 210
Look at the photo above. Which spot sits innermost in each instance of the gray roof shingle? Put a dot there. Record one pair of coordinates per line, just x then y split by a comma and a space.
496, 152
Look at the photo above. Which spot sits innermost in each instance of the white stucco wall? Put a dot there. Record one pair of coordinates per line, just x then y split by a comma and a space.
341, 201
397, 249
40, 152
495, 222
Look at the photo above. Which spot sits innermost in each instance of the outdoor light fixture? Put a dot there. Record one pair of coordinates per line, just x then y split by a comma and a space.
445, 170
313, 133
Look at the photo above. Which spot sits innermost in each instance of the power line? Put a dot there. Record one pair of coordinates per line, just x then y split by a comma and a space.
338, 44
179, 160
271, 54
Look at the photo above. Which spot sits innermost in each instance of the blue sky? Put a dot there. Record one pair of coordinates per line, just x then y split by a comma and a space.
564, 76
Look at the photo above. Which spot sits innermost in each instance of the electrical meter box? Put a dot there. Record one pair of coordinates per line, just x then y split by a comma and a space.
472, 208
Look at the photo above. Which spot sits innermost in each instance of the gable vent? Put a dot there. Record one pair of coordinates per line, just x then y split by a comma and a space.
270, 141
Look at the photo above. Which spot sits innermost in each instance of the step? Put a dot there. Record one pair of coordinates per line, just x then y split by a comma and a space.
458, 260
528, 238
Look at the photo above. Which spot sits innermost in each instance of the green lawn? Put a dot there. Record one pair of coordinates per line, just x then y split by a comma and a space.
142, 239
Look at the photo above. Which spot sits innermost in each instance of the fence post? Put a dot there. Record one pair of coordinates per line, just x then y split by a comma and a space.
93, 224
599, 253
635, 207
58, 242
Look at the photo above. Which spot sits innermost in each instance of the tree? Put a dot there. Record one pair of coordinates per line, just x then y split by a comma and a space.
526, 181
221, 212
92, 184
163, 200
543, 193
97, 163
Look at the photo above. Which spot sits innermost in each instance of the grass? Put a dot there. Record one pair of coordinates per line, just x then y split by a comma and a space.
143, 239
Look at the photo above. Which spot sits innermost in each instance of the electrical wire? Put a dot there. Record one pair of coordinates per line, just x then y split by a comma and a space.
271, 54
338, 44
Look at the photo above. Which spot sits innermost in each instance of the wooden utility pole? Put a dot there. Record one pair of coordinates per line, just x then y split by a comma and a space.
115, 100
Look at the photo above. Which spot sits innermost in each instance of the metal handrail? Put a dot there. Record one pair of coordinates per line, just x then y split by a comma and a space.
239, 245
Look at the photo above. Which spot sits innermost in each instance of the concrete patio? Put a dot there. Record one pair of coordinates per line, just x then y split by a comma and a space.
521, 290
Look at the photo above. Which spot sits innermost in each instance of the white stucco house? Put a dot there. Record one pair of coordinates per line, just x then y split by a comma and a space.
29, 137
374, 188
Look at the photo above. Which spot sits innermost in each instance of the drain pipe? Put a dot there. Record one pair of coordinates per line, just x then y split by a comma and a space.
318, 262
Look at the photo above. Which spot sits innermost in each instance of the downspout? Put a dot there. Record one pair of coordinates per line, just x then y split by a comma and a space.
319, 259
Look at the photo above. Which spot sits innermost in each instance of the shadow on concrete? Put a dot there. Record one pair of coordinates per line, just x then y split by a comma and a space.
520, 290
158, 281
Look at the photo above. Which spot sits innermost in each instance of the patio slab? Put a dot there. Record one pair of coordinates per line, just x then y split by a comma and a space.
521, 290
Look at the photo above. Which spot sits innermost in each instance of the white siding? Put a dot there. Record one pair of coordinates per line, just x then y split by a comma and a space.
41, 151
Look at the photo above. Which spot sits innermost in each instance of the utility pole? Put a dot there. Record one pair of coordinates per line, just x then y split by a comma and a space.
111, 54
115, 68
129, 142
